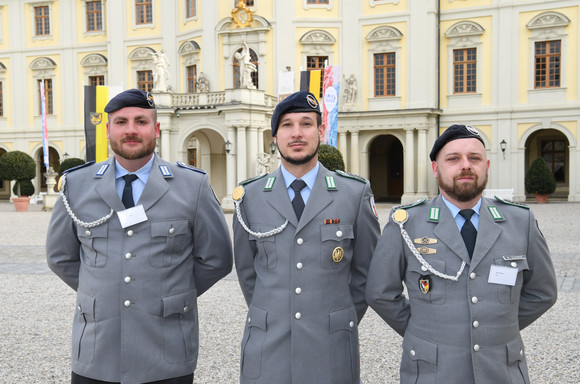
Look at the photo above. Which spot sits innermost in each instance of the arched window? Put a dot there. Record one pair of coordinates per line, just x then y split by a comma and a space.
253, 60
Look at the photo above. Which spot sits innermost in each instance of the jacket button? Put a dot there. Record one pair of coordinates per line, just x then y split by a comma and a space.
351, 324
412, 352
472, 275
298, 315
338, 233
171, 230
474, 299
127, 280
476, 324
299, 266
521, 352
298, 290
424, 268
300, 241
87, 232
186, 309
476, 347
514, 264
127, 303
128, 255
130, 233
249, 320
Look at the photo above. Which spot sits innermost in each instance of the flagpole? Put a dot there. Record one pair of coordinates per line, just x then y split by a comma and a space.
44, 125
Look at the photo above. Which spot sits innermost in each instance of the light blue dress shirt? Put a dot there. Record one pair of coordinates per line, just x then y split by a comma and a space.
459, 220
309, 179
138, 185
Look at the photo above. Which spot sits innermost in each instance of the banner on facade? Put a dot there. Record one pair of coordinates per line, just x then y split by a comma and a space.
44, 125
96, 98
330, 104
312, 81
285, 84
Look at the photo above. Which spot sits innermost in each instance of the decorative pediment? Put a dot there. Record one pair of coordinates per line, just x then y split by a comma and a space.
94, 60
384, 33
188, 47
141, 53
464, 28
42, 63
548, 20
317, 37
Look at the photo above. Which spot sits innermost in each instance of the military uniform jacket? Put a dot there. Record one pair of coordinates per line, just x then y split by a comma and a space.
304, 306
465, 331
137, 287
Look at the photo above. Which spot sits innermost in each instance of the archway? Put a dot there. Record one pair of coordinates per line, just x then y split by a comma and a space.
4, 184
386, 168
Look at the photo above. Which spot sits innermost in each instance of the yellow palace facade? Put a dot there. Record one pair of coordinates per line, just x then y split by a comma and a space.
410, 69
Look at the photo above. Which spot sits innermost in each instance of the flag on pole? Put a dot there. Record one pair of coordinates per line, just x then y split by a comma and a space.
96, 98
330, 104
311, 81
44, 124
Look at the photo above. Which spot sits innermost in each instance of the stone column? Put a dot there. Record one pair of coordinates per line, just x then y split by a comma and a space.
231, 182
342, 148
253, 150
239, 149
409, 161
354, 151
422, 163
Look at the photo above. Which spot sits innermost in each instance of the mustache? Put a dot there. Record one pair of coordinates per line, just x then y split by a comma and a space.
130, 138
297, 142
465, 173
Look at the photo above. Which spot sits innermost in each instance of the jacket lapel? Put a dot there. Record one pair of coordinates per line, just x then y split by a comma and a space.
447, 231
487, 234
278, 198
156, 186
319, 199
106, 187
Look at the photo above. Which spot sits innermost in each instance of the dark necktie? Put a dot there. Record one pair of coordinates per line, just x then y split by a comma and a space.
468, 231
297, 203
128, 190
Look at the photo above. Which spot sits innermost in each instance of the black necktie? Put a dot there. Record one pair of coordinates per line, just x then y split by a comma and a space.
128, 190
297, 202
468, 231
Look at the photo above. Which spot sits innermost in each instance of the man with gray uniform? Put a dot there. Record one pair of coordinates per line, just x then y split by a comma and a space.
477, 271
303, 241
139, 239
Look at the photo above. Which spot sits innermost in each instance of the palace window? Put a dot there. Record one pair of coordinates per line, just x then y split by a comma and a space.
144, 11
47, 96
97, 80
190, 8
465, 70
94, 16
145, 80
191, 77
317, 2
1, 99
547, 64
385, 70
42, 20
316, 63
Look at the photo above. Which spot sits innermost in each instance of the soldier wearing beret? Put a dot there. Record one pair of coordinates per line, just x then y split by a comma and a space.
303, 241
477, 271
138, 239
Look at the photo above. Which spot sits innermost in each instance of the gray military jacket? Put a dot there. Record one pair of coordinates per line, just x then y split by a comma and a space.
465, 331
304, 306
136, 317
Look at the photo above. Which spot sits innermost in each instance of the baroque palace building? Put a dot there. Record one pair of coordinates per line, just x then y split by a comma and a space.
410, 69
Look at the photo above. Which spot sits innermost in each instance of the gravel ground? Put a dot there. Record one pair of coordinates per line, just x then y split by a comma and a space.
36, 311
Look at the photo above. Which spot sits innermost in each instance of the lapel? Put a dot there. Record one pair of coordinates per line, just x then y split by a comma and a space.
278, 198
319, 199
487, 234
106, 187
156, 186
447, 231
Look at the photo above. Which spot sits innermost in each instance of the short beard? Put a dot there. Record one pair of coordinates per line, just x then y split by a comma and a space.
463, 193
303, 160
143, 152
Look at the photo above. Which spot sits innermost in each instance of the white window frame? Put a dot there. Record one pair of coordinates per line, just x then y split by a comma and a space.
328, 6
548, 26
34, 5
85, 26
95, 64
196, 17
317, 42
43, 68
464, 34
253, 8
384, 39
374, 3
139, 26
189, 52
141, 60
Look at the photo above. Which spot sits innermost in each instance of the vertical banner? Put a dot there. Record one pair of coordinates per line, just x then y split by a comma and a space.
101, 100
44, 124
330, 104
310, 81
285, 84
96, 143
91, 119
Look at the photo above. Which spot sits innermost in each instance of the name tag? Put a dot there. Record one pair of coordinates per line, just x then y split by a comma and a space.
502, 275
132, 216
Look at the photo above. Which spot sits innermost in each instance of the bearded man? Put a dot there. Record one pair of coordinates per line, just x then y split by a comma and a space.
303, 241
477, 271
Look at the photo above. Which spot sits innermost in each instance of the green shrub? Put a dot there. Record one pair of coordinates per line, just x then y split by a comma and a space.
68, 164
539, 178
330, 157
26, 188
19, 166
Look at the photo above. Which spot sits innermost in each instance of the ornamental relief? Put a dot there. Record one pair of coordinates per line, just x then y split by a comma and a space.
384, 33
464, 28
548, 20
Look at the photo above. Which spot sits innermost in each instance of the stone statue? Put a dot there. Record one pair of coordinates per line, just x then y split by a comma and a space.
246, 67
350, 90
264, 163
202, 83
160, 71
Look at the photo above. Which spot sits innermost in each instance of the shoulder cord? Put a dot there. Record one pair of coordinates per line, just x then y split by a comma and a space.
423, 262
259, 235
84, 224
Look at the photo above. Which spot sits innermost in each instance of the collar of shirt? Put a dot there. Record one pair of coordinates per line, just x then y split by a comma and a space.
139, 184
309, 179
459, 220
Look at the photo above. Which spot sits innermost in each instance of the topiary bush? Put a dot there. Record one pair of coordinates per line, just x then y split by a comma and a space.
330, 157
19, 166
539, 178
68, 164
26, 188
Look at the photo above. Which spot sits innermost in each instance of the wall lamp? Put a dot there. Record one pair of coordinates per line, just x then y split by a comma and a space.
503, 146
65, 155
177, 113
228, 144
273, 147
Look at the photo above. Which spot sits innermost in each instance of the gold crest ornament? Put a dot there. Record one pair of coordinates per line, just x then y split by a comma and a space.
96, 118
242, 15
238, 193
400, 216
337, 254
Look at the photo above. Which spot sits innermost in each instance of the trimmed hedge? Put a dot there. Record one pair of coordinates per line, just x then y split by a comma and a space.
330, 157
539, 178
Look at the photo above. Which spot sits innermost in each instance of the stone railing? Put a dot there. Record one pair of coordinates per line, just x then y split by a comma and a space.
197, 100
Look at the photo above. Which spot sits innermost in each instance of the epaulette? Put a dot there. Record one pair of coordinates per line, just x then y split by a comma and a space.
252, 179
190, 167
410, 205
510, 202
78, 167
351, 176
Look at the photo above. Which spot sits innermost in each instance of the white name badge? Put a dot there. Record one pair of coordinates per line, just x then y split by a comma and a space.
132, 216
502, 275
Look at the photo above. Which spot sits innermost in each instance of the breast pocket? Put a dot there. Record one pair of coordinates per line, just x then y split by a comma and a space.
336, 249
93, 245
266, 248
508, 294
169, 238
423, 284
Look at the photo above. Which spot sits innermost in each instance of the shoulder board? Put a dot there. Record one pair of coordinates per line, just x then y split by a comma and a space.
190, 167
351, 176
78, 167
410, 205
514, 203
252, 179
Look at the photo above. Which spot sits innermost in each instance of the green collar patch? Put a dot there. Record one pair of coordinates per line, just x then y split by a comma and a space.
252, 179
331, 183
269, 183
434, 214
495, 213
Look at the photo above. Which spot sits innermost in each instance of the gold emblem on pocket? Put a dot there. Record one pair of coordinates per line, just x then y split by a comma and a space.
337, 254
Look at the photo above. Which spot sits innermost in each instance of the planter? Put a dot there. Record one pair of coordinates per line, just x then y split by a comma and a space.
541, 199
21, 203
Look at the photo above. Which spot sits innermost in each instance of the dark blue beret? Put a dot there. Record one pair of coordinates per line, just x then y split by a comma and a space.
131, 98
454, 132
301, 101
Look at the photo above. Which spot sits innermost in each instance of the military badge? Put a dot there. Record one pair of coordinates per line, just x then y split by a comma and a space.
374, 207
238, 193
425, 240
96, 118
425, 284
337, 254
426, 250
400, 216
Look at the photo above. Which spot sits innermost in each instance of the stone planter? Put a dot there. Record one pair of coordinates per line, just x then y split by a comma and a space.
541, 199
